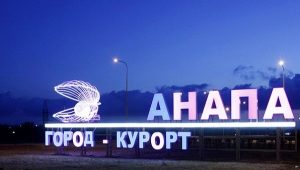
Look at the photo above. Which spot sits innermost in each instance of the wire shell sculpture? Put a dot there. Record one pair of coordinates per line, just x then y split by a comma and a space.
87, 97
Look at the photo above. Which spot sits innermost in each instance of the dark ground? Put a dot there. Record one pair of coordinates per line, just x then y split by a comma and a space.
37, 156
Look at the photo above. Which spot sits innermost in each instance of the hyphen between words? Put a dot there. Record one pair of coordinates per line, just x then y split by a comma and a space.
278, 104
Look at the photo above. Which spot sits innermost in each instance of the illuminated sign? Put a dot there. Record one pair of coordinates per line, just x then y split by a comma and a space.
278, 94
175, 125
63, 138
88, 98
158, 141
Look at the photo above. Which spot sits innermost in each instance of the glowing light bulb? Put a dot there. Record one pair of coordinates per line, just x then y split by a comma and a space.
116, 60
281, 62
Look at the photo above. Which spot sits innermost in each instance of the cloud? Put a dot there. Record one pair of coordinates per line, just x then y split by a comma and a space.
272, 70
251, 73
192, 87
242, 86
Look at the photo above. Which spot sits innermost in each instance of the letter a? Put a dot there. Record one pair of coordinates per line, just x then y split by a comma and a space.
214, 96
158, 99
285, 108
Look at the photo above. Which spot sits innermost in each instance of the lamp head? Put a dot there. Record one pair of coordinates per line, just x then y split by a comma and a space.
115, 60
281, 62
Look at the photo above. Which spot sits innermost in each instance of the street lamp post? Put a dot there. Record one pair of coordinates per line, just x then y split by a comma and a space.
281, 63
117, 60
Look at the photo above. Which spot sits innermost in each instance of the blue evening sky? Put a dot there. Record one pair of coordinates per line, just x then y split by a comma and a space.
165, 42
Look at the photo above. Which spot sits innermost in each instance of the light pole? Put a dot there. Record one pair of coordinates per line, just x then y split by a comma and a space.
281, 63
117, 60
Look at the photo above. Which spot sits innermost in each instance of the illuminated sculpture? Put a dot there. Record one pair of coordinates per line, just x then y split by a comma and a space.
87, 97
